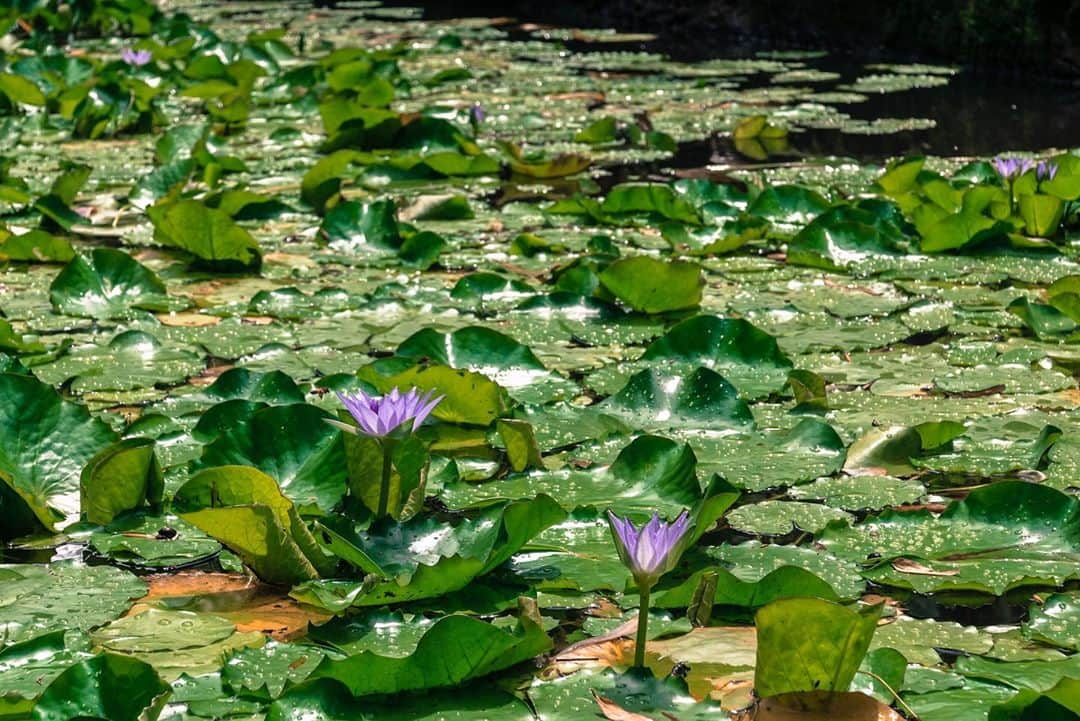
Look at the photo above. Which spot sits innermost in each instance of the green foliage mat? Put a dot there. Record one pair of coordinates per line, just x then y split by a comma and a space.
858, 378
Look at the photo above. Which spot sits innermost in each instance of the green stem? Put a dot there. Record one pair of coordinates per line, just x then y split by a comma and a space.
642, 627
384, 486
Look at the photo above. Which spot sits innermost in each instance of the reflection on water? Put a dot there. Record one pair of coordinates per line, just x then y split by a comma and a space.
976, 115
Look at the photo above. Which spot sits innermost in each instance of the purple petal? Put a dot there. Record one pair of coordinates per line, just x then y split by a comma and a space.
649, 553
359, 407
386, 416
625, 538
353, 404
426, 408
409, 403
380, 416
1046, 170
135, 57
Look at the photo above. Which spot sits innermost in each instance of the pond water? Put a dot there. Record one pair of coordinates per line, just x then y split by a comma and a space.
975, 114
635, 283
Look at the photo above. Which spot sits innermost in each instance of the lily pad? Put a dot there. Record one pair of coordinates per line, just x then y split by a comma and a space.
38, 424
109, 284
778, 518
293, 444
39, 600
460, 648
1003, 536
105, 686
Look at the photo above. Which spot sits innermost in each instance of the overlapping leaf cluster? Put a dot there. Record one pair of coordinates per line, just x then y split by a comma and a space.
859, 378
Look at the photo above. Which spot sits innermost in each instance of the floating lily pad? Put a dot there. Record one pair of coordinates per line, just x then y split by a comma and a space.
107, 285
36, 421
467, 648
778, 518
1003, 536
39, 600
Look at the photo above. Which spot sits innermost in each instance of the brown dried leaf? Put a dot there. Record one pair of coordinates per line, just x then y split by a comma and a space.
820, 706
614, 712
907, 565
249, 604
571, 652
187, 320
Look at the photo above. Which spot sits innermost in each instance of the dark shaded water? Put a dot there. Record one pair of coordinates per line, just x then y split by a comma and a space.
976, 114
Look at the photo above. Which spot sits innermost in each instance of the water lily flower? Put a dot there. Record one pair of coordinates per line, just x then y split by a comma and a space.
138, 58
649, 552
652, 550
1010, 168
477, 114
379, 416
1046, 170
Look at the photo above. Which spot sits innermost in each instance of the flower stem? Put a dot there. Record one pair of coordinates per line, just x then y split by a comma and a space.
642, 627
384, 486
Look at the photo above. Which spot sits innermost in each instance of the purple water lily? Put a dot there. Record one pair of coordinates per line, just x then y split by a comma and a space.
1046, 170
652, 550
138, 58
1009, 168
649, 552
378, 416
477, 114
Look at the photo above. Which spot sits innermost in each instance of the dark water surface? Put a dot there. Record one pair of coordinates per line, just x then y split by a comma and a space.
977, 114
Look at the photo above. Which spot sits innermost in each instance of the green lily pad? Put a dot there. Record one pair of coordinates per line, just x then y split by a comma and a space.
328, 700
747, 356
109, 284
453, 650
264, 671
573, 696
28, 667
919, 639
809, 450
132, 360
1002, 536
38, 600
120, 478
778, 518
856, 493
153, 542
1056, 620
393, 634
245, 509
650, 474
502, 359
293, 444
468, 398
36, 246
653, 286
729, 590
424, 557
106, 686
807, 644
37, 423
752, 561
575, 554
209, 234
158, 630
703, 400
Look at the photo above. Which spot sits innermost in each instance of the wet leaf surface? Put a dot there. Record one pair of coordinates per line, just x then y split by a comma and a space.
639, 284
